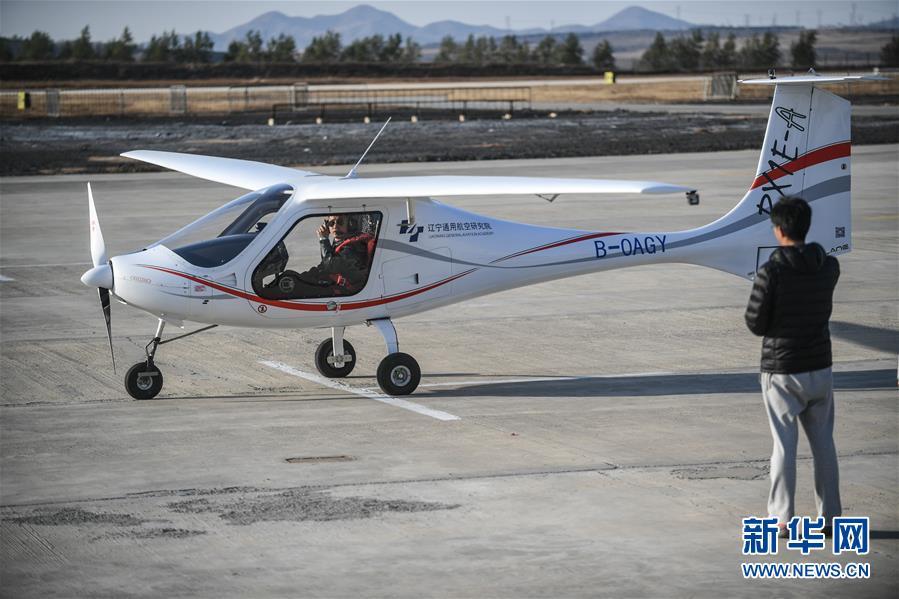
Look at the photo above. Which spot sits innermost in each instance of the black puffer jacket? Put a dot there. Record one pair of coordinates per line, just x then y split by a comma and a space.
790, 305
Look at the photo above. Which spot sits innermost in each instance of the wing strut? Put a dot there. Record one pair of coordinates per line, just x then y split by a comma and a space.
410, 211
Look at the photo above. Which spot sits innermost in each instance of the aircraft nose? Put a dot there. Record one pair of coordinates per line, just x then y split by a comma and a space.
98, 276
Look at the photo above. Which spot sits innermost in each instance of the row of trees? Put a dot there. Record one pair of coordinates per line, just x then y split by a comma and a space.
171, 47
509, 50
691, 52
393, 49
327, 49
168, 47
696, 52
40, 46
198, 48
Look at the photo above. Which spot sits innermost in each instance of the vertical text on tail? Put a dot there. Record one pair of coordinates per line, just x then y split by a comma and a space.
806, 153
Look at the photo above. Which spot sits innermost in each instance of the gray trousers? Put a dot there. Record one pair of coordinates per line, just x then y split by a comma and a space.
808, 398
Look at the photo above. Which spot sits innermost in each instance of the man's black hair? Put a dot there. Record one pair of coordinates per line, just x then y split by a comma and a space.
794, 217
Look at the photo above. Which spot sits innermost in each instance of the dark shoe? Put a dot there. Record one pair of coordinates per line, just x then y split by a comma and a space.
828, 532
783, 532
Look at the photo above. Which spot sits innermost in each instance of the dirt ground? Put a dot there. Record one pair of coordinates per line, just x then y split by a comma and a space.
71, 146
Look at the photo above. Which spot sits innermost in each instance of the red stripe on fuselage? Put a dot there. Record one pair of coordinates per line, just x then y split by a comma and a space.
307, 307
555, 245
831, 152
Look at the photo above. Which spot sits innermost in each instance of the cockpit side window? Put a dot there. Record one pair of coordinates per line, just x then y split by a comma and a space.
258, 213
256, 210
323, 255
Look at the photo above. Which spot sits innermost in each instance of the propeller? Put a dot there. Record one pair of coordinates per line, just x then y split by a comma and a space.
100, 276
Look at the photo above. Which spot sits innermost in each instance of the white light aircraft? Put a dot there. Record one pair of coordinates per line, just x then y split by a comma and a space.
307, 250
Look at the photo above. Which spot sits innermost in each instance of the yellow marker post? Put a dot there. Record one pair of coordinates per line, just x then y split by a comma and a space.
609, 77
24, 101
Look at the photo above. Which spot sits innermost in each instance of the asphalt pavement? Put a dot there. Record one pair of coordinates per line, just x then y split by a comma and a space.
609, 433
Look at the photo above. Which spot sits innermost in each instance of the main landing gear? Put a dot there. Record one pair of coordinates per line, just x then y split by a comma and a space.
144, 379
398, 373
331, 365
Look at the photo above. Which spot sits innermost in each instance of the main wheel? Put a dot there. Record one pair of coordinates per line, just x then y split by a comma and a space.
143, 381
398, 374
325, 350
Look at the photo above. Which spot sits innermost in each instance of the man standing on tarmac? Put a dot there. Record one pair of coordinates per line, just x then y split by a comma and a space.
790, 306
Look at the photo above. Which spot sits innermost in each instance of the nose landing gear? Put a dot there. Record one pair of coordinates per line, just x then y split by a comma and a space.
144, 379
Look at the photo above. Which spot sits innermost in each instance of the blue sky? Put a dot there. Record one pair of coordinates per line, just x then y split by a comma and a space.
63, 19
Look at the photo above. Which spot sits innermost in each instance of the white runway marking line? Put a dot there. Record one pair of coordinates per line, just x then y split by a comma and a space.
46, 265
367, 393
5, 279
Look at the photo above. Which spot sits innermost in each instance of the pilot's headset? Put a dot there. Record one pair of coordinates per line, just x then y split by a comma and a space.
353, 224
367, 224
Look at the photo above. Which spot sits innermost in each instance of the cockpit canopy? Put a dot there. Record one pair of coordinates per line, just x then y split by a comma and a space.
219, 236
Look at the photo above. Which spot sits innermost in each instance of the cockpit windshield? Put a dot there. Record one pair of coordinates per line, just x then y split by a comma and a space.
218, 237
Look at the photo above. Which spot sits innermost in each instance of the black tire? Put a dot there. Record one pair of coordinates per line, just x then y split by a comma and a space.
143, 382
398, 374
325, 350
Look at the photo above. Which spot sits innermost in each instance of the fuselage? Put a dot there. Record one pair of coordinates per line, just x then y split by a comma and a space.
445, 256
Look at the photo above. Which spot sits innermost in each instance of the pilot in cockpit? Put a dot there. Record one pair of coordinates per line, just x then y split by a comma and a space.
346, 252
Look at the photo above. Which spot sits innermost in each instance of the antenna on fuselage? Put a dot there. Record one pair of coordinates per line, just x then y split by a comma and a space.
352, 173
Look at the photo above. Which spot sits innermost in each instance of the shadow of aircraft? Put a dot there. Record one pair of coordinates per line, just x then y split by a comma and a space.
656, 385
877, 338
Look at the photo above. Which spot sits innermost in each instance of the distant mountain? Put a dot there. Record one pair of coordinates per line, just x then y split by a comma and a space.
359, 21
892, 23
363, 21
434, 32
635, 17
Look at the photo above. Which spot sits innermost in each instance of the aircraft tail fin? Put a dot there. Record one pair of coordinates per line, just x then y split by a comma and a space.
806, 153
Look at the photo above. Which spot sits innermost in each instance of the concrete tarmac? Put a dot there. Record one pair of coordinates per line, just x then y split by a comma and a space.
609, 433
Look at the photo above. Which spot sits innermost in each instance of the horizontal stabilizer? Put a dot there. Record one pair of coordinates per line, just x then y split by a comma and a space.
813, 79
245, 174
445, 186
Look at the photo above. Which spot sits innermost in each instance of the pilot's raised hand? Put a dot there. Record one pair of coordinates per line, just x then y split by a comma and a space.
323, 231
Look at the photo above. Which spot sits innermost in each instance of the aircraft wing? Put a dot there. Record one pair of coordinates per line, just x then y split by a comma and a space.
439, 186
239, 173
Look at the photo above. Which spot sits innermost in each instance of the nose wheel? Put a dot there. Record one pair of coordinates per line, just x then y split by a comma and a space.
143, 381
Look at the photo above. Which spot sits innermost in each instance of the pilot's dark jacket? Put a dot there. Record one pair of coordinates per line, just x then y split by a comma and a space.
343, 270
790, 306
346, 263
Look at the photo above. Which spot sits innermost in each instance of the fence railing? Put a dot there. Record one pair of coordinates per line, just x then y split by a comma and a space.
181, 100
